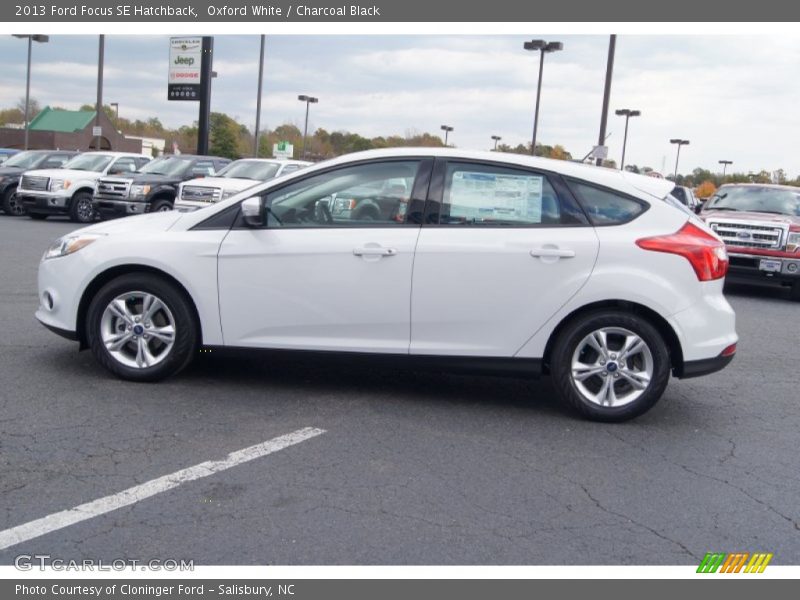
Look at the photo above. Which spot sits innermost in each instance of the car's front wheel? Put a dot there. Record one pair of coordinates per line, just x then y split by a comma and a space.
610, 365
81, 209
12, 205
142, 327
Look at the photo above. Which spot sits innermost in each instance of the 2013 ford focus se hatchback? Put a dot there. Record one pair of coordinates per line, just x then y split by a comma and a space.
495, 262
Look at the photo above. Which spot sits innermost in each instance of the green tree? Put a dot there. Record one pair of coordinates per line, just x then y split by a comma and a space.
223, 136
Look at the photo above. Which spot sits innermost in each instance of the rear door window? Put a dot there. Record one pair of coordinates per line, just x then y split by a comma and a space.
495, 196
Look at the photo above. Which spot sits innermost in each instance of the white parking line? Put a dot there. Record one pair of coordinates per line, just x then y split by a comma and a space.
101, 506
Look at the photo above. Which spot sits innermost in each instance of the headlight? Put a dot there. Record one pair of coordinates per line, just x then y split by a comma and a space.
793, 241
59, 184
139, 190
70, 244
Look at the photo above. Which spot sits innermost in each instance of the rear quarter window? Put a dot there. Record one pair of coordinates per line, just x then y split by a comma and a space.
606, 207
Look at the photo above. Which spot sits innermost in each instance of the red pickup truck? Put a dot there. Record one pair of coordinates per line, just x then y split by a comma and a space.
760, 225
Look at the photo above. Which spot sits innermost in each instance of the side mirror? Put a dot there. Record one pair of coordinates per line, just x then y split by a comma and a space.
253, 212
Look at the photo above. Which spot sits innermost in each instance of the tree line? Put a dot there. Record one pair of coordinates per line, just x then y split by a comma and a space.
231, 139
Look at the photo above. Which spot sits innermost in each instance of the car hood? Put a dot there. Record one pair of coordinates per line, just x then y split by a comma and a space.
10, 171
65, 174
150, 222
226, 183
150, 178
740, 215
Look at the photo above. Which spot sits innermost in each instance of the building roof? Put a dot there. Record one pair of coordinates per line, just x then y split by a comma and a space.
65, 121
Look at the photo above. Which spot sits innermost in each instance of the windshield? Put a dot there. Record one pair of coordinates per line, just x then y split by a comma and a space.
250, 169
25, 160
781, 201
169, 165
88, 162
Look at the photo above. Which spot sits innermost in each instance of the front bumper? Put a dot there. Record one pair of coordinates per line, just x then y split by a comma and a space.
747, 267
44, 203
110, 209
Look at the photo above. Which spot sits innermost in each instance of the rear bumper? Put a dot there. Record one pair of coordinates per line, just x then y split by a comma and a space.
706, 366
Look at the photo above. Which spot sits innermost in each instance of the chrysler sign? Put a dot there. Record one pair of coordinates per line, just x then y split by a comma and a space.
185, 54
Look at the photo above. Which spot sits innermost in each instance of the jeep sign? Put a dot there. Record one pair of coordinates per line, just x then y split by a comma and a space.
185, 55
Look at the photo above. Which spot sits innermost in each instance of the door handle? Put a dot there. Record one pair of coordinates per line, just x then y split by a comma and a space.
553, 253
374, 251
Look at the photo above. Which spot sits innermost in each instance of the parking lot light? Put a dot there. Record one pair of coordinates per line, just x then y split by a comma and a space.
627, 113
447, 129
542, 47
725, 164
496, 139
42, 39
680, 143
308, 100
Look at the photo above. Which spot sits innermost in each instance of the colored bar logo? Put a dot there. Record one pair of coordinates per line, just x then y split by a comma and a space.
738, 562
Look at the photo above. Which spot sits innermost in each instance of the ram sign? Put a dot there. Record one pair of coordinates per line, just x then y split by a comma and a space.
185, 55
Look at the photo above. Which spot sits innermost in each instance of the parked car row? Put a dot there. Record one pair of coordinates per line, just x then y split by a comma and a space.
85, 186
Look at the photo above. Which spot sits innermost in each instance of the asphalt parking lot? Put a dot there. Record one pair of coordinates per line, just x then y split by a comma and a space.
412, 468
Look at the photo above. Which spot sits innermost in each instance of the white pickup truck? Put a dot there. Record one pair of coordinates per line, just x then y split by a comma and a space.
237, 176
68, 190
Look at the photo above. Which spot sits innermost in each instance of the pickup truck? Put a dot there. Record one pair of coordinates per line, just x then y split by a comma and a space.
237, 176
153, 188
68, 190
760, 225
13, 168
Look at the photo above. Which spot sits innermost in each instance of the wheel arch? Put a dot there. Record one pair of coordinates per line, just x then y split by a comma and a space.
655, 319
104, 277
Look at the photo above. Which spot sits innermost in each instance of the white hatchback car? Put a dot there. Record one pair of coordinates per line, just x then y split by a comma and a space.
496, 263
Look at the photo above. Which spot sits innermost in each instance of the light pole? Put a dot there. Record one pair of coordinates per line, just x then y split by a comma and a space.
725, 164
447, 129
308, 100
542, 47
601, 139
680, 143
496, 139
258, 97
42, 39
627, 113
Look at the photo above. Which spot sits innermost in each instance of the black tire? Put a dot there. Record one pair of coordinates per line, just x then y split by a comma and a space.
566, 345
37, 216
161, 206
12, 206
187, 334
81, 209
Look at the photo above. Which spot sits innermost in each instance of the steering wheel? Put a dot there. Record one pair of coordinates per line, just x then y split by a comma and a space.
322, 213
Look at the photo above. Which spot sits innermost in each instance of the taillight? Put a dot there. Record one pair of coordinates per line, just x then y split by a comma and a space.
704, 252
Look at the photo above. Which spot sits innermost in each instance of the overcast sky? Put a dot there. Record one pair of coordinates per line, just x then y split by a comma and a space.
734, 97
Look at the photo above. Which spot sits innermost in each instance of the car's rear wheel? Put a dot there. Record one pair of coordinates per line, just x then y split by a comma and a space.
81, 209
610, 365
142, 328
